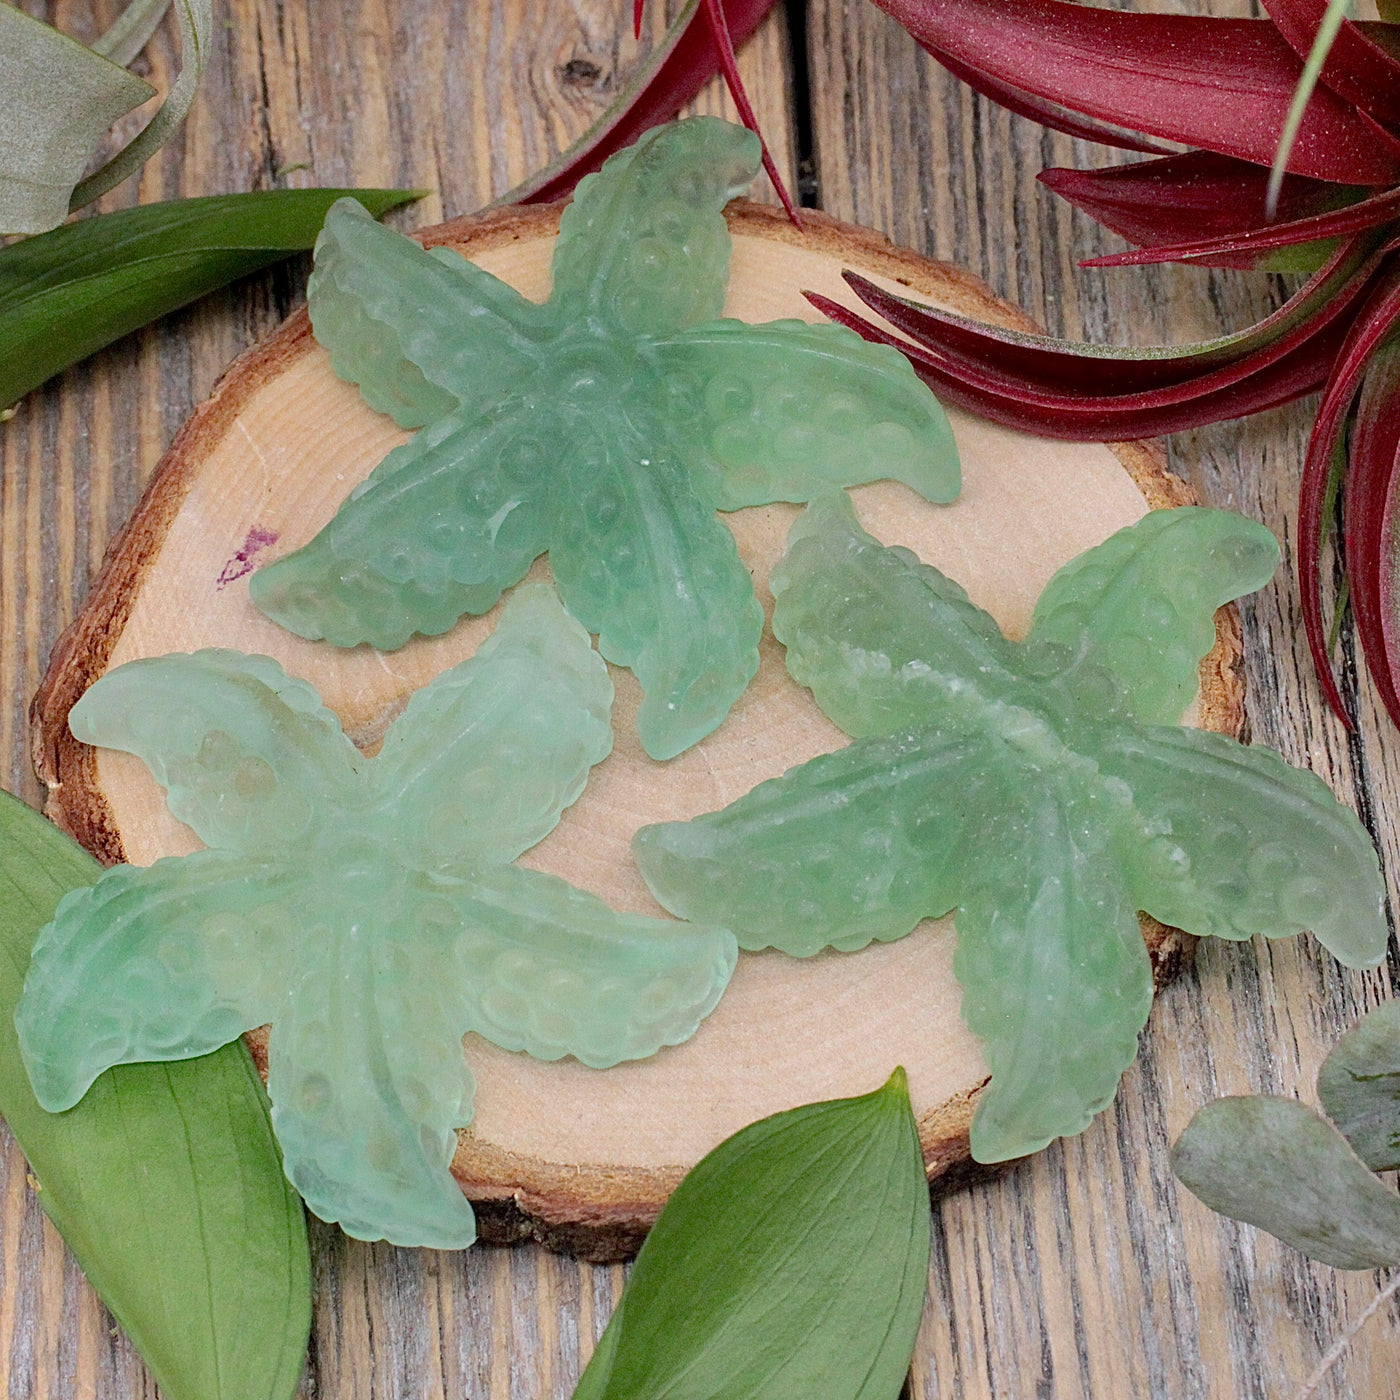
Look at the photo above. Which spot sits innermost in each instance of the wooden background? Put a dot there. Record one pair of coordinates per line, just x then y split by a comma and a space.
1083, 1273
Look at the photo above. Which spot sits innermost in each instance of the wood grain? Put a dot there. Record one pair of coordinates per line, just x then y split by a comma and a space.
1089, 1272
1083, 1274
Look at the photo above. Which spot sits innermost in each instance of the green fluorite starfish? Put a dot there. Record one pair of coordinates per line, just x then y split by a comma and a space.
605, 426
1044, 790
367, 908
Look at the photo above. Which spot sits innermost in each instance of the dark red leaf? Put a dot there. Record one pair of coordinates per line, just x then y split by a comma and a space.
1083, 417
1047, 113
1198, 195
1376, 318
1337, 223
1357, 68
639, 9
674, 72
1368, 520
1040, 364
1222, 84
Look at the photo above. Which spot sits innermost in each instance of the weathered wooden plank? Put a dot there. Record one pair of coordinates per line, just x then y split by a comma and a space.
1088, 1272
462, 100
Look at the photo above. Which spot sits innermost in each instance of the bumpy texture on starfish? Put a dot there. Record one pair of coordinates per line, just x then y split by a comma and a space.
1043, 789
605, 426
367, 908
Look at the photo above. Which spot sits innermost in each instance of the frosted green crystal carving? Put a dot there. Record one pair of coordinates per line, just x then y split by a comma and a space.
1043, 790
366, 907
604, 426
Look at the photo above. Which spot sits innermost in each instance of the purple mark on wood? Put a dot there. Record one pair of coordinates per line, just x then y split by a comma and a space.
242, 563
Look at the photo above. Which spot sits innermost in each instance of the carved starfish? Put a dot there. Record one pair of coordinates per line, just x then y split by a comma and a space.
605, 426
367, 908
1044, 790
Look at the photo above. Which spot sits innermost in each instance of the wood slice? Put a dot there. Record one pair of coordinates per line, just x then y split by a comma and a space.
583, 1159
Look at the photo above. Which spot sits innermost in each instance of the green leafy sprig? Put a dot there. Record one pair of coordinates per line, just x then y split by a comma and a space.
165, 1181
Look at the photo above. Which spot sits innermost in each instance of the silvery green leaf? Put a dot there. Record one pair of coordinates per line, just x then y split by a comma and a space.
1276, 1164
131, 30
1359, 1086
57, 100
196, 19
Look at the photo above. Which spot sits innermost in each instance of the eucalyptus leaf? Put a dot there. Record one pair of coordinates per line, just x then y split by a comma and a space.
1359, 1086
1276, 1164
67, 293
196, 19
57, 100
791, 1263
165, 1180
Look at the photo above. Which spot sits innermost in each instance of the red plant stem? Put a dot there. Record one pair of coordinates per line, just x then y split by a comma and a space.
729, 66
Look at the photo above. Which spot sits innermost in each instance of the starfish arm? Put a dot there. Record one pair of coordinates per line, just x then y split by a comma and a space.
486, 756
419, 331
847, 848
1054, 974
644, 247
440, 528
1142, 604
1232, 841
368, 1081
645, 564
786, 411
884, 642
154, 963
551, 970
248, 755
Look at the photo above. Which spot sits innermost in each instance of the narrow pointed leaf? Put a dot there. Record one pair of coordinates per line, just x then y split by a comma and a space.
1368, 519
165, 1181
196, 33
1375, 319
1252, 244
790, 1263
67, 293
674, 72
1081, 418
1275, 1164
1359, 1085
1333, 14
1221, 84
131, 30
1194, 196
1093, 392
57, 100
1357, 68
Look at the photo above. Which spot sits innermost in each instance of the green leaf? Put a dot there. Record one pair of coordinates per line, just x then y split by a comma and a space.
131, 30
791, 1263
1276, 1164
57, 100
1359, 1086
165, 1180
66, 294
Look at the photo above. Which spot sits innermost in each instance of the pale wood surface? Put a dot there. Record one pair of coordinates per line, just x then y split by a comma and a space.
1082, 1273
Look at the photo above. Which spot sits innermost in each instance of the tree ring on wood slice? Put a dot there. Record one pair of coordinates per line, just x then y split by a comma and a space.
583, 1159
